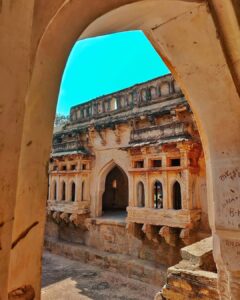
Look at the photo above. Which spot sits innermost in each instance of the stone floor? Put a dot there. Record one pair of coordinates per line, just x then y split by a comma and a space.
114, 215
69, 280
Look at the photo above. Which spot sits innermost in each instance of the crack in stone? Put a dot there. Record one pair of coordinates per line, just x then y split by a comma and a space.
176, 17
23, 234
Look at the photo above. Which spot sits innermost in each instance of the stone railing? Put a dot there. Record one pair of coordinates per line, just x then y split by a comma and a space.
182, 218
156, 90
69, 207
66, 146
159, 132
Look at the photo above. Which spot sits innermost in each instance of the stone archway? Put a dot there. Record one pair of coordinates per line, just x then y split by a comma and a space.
115, 196
184, 33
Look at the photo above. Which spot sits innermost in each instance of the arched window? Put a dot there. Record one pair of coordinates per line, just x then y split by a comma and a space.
130, 99
144, 95
176, 87
164, 89
122, 101
140, 194
54, 190
158, 194
113, 103
177, 197
83, 191
153, 92
73, 191
99, 107
78, 114
106, 105
63, 190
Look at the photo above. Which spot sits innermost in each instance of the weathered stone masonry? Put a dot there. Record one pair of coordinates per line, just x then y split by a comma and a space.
127, 175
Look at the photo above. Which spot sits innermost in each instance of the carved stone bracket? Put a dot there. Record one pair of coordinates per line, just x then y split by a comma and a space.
150, 232
135, 230
78, 221
117, 131
56, 217
185, 233
169, 235
65, 217
102, 135
91, 134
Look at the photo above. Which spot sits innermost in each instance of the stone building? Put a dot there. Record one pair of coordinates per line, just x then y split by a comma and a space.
127, 174
199, 41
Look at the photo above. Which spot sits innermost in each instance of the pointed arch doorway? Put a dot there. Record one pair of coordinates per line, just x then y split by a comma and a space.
115, 196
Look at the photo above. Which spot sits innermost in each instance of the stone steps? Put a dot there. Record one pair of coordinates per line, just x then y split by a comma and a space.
194, 277
145, 271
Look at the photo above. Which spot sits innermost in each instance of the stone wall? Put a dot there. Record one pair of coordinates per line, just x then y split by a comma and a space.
114, 236
195, 277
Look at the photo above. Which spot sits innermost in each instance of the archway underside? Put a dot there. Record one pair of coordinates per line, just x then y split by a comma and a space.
183, 32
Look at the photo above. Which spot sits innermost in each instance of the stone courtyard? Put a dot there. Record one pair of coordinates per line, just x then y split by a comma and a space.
67, 279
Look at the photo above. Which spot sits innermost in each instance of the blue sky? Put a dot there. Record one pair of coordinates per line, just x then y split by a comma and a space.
105, 64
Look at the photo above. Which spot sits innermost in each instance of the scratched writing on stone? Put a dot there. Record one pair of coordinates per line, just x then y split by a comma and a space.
234, 212
233, 244
235, 173
229, 201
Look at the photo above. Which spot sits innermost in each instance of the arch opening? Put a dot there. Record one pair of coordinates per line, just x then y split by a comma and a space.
111, 194
177, 196
73, 192
158, 194
54, 190
83, 191
115, 196
63, 190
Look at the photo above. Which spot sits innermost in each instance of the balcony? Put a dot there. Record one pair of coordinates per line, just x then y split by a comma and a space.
67, 146
183, 218
177, 131
69, 207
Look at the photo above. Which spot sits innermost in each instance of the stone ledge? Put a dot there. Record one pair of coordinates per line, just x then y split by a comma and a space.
105, 221
183, 218
200, 254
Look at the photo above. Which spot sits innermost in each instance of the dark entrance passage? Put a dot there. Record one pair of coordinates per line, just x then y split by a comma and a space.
73, 191
115, 197
177, 198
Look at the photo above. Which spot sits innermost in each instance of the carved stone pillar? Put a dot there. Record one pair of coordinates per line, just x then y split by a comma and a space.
132, 198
